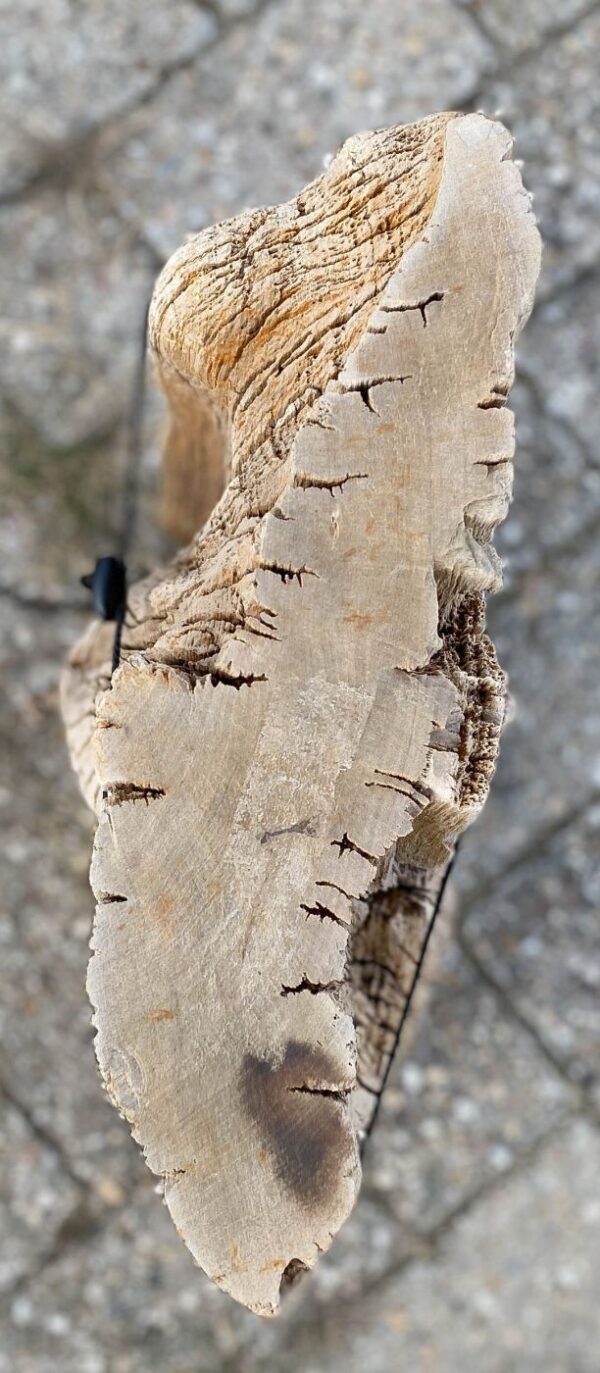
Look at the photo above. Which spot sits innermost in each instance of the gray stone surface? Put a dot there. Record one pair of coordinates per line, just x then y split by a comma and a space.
552, 104
547, 634
514, 1286
72, 296
251, 122
62, 507
468, 1094
237, 9
64, 69
36, 1197
526, 26
545, 624
52, 522
46, 1053
537, 935
562, 356
557, 474
129, 1300
474, 1244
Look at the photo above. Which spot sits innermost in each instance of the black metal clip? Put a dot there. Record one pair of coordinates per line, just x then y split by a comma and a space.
108, 585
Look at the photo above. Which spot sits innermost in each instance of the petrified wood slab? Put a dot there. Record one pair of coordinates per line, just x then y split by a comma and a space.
308, 709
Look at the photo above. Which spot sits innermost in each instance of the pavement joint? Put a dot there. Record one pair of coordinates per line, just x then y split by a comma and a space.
586, 1106
537, 397
473, 13
535, 848
432, 1240
44, 1135
513, 61
70, 160
534, 845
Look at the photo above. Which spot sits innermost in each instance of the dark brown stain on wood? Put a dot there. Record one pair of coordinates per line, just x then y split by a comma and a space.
300, 1119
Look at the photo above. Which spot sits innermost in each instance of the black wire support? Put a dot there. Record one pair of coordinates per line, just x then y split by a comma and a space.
108, 581
408, 1002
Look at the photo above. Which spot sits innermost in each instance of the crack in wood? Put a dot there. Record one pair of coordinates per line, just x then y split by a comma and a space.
220, 675
328, 1092
420, 305
306, 985
308, 826
306, 482
287, 574
324, 913
347, 845
117, 793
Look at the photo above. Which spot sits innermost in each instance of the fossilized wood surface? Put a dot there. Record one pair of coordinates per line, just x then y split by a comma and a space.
308, 709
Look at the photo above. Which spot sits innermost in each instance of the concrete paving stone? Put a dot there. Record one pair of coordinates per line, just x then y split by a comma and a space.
465, 1098
545, 627
561, 353
547, 634
239, 9
251, 122
537, 935
72, 296
36, 1197
63, 71
557, 482
526, 25
371, 1244
61, 508
131, 1301
371, 1241
552, 104
57, 509
514, 1286
46, 1048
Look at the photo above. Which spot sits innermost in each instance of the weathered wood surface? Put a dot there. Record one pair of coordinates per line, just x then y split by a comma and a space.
308, 709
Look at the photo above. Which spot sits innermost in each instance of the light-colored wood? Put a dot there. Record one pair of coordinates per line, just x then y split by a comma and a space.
196, 466
308, 709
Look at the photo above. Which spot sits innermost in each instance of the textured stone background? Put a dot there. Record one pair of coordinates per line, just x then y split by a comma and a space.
476, 1244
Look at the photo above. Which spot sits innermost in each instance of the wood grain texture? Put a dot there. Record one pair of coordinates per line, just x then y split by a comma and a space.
308, 709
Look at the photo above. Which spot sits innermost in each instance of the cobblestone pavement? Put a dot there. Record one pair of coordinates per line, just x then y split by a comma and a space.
476, 1243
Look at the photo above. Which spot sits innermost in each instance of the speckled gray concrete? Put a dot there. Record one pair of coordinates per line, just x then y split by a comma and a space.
536, 936
547, 632
476, 1238
511, 1286
64, 71
253, 124
535, 20
77, 280
550, 99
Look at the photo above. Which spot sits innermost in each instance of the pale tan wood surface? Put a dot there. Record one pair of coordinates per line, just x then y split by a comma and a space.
308, 708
